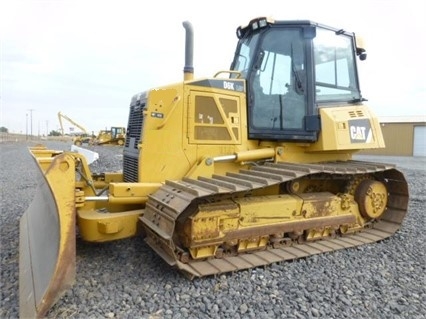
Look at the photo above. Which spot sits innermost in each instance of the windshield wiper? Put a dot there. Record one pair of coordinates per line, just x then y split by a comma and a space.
357, 100
299, 85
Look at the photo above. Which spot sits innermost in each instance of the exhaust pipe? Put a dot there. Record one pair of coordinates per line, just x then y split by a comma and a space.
188, 70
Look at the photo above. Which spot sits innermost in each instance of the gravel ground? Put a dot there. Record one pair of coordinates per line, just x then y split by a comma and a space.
126, 279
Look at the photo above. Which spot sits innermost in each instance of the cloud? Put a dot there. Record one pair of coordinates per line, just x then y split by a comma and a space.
87, 58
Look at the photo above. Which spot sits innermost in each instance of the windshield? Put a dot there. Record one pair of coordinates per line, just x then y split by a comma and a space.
275, 69
335, 74
245, 54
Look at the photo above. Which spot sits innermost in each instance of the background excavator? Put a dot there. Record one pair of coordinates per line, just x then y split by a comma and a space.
83, 137
113, 136
250, 167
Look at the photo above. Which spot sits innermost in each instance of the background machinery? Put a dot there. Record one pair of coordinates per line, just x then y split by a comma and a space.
250, 167
114, 136
80, 137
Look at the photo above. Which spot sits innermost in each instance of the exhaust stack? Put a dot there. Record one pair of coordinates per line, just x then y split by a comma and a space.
188, 70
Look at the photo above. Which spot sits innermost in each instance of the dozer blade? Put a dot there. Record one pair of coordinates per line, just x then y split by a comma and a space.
47, 251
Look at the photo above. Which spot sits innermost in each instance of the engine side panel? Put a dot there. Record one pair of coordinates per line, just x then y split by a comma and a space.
348, 128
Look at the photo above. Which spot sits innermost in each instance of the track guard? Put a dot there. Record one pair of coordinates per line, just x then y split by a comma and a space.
47, 248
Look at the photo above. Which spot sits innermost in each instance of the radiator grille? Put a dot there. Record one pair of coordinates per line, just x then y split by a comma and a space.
130, 169
133, 138
135, 125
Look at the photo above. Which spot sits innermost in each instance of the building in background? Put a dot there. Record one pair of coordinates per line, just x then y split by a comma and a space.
404, 136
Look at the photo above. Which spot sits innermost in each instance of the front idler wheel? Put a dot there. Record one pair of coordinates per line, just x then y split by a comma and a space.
372, 198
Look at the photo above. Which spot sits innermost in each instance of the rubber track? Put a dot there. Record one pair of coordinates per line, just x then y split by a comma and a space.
165, 206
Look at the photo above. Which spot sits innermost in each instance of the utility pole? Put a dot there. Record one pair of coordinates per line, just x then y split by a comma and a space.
31, 120
26, 126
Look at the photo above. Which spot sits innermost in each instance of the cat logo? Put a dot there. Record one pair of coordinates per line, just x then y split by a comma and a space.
360, 131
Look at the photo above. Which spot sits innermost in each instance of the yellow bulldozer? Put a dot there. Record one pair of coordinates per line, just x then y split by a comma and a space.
114, 136
247, 168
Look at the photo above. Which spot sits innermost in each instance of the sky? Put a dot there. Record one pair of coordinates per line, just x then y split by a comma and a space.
87, 59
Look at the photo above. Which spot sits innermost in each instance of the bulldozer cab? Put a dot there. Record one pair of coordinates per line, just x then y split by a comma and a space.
117, 132
293, 68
